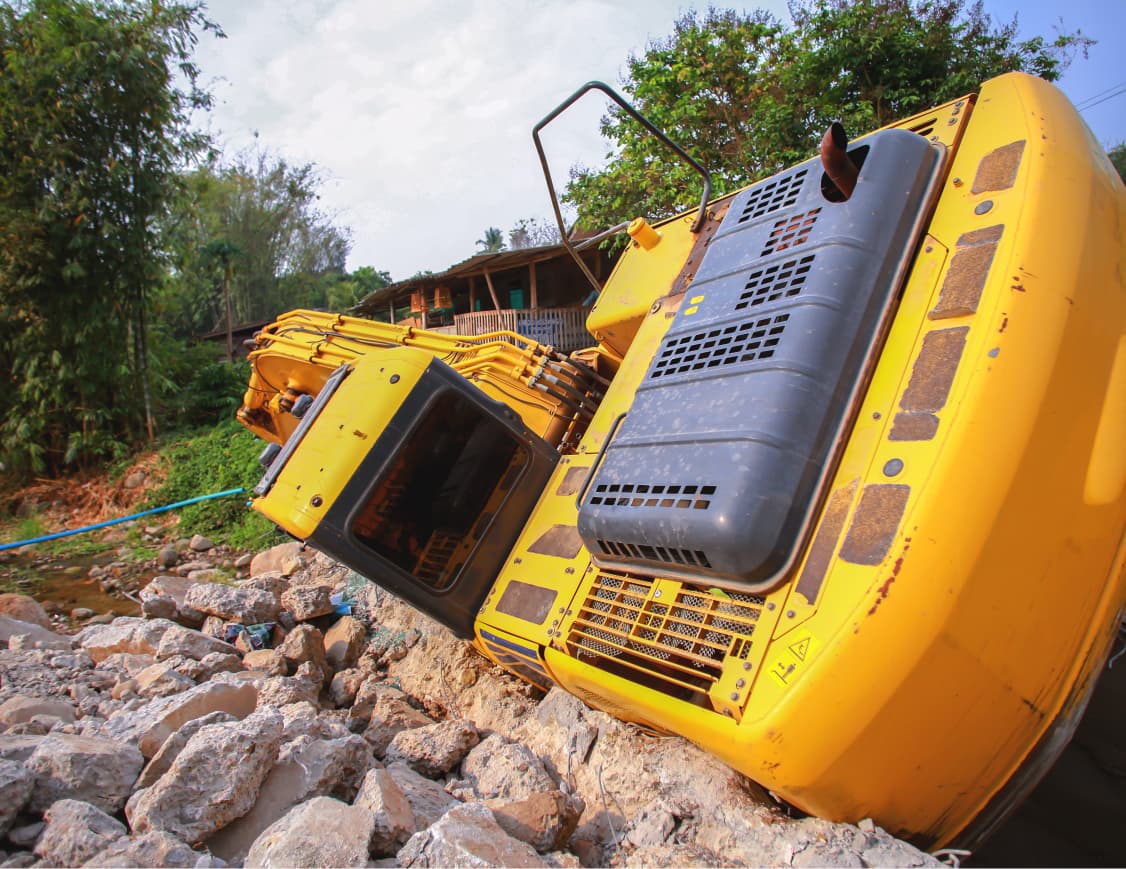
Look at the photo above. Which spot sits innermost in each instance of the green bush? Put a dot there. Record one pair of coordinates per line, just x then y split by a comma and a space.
225, 457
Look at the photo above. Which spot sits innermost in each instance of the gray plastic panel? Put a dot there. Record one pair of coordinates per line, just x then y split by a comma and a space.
720, 460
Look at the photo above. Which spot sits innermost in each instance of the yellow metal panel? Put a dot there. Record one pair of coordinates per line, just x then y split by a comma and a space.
980, 579
640, 278
347, 427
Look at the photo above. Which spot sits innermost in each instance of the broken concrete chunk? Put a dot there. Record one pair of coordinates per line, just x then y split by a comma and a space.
98, 771
428, 799
75, 832
214, 779
435, 749
499, 768
247, 606
320, 832
394, 819
467, 835
16, 783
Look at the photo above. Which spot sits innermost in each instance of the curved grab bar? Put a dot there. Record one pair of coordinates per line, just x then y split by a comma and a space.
648, 125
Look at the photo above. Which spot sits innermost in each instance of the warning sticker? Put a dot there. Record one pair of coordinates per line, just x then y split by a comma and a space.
785, 662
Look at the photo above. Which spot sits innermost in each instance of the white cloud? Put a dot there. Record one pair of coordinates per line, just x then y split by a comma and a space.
420, 113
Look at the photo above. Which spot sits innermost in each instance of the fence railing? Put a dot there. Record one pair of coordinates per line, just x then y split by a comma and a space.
562, 328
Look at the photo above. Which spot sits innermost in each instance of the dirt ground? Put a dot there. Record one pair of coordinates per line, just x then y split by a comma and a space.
83, 498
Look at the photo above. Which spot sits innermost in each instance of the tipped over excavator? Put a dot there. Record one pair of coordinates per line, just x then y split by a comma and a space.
838, 491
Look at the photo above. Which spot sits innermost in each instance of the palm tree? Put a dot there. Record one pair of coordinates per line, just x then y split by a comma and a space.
493, 242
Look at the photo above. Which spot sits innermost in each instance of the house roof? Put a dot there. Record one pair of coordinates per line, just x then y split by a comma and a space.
472, 267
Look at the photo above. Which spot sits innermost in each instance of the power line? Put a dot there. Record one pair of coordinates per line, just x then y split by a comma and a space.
1094, 97
1121, 90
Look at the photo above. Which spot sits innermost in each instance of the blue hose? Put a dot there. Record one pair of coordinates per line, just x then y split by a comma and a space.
106, 524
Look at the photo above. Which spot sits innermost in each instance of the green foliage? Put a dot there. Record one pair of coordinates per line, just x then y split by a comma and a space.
1117, 156
95, 103
746, 95
224, 457
251, 225
492, 241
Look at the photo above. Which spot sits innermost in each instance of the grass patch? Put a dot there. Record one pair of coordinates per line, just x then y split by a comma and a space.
225, 457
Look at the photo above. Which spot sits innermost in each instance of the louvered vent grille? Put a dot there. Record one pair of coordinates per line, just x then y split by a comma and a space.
724, 345
652, 495
773, 195
677, 646
778, 281
667, 554
790, 232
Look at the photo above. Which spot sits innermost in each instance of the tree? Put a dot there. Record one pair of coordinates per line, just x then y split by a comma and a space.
746, 95
1117, 156
493, 241
530, 232
289, 251
95, 104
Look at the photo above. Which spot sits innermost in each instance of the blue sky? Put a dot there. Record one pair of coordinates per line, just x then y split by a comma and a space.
420, 113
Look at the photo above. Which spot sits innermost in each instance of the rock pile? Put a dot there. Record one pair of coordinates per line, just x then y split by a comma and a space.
258, 724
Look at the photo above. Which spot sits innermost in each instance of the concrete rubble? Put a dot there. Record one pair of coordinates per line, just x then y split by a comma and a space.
262, 723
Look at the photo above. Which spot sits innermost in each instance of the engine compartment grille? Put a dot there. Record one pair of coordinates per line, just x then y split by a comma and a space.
675, 645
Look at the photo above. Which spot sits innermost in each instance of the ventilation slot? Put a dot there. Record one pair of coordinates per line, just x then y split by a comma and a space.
644, 552
925, 127
775, 282
773, 195
790, 232
726, 345
676, 647
647, 495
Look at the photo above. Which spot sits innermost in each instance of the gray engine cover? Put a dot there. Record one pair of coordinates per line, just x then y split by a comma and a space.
721, 459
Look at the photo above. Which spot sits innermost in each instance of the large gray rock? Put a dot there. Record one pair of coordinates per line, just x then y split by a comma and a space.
275, 558
308, 601
305, 687
162, 761
160, 680
435, 749
271, 581
394, 820
467, 835
16, 783
29, 633
498, 768
19, 747
344, 642
150, 725
179, 640
98, 771
75, 832
305, 768
387, 712
125, 662
428, 799
152, 849
320, 832
20, 708
214, 779
247, 606
124, 634
24, 608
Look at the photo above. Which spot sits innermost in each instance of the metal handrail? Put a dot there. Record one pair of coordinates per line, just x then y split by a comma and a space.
648, 125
